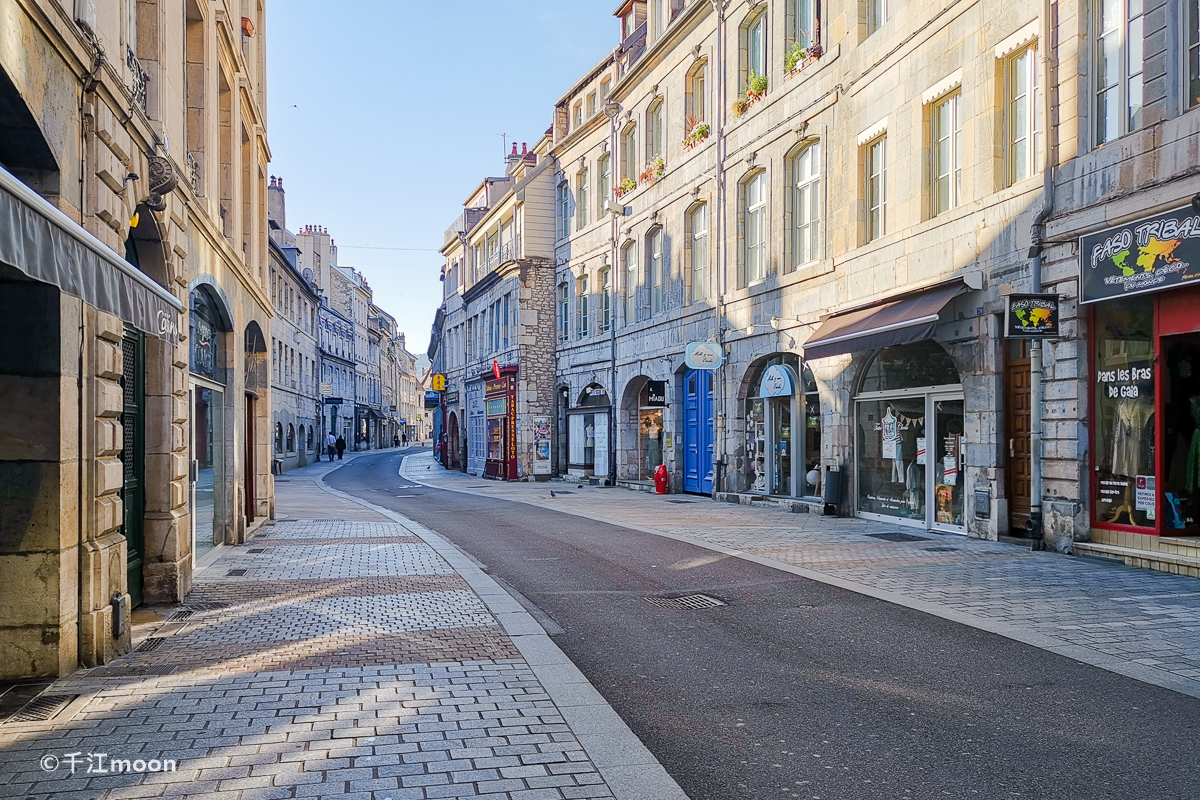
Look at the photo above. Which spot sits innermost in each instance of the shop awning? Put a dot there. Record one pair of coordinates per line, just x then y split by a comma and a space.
377, 415
909, 318
48, 246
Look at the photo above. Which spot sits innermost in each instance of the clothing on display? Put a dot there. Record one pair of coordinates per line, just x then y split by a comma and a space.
1192, 481
1127, 439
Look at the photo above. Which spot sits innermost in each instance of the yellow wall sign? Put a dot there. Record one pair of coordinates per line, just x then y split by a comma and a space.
439, 383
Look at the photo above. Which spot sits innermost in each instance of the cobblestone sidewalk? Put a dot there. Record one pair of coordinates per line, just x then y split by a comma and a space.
1138, 623
328, 658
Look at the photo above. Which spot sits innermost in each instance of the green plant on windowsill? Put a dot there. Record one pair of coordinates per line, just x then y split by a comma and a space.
698, 131
796, 55
625, 187
756, 86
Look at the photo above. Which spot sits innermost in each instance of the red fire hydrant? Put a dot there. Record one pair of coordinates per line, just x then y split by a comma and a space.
660, 479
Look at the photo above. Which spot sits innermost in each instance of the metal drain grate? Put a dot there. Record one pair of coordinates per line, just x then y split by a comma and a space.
681, 501
939, 549
131, 672
898, 537
151, 644
205, 606
691, 602
41, 708
181, 615
258, 550
235, 573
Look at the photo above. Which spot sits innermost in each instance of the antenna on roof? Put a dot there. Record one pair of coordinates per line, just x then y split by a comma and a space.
503, 144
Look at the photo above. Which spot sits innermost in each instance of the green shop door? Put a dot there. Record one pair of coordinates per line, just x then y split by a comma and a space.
133, 456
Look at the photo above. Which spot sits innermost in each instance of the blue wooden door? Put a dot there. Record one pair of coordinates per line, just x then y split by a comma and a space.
698, 427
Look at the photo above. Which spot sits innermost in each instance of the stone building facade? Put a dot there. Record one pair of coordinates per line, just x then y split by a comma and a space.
137, 261
493, 338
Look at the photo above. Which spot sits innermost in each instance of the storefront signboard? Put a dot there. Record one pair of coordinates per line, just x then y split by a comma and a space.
1146, 255
452, 398
703, 355
497, 407
432, 399
438, 382
776, 382
1031, 316
656, 393
333, 401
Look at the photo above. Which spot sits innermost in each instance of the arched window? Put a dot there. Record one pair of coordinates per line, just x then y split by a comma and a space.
806, 203
656, 268
278, 437
909, 366
698, 250
291, 438
754, 222
629, 262
604, 186
204, 329
629, 156
311, 441
654, 131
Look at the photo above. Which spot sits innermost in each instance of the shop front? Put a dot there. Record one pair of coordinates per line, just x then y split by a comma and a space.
587, 433
1141, 282
652, 402
783, 429
500, 409
208, 330
909, 410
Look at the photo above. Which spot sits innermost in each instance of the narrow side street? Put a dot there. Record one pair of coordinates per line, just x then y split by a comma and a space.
338, 654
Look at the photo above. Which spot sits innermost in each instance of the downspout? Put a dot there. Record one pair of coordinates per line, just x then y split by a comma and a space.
614, 271
719, 218
1035, 525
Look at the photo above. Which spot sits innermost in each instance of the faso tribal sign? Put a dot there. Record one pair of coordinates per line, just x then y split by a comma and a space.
1147, 255
1031, 316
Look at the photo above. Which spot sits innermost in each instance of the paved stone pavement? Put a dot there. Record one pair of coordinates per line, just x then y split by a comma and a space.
358, 657
1138, 623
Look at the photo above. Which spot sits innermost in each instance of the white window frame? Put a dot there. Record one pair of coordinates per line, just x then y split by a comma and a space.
604, 182
629, 261
756, 239
756, 38
876, 14
1022, 114
564, 209
805, 184
945, 153
654, 130
1124, 37
875, 180
605, 299
629, 151
564, 312
804, 12
581, 199
656, 269
582, 298
698, 242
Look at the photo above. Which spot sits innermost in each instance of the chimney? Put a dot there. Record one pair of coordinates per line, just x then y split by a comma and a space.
277, 202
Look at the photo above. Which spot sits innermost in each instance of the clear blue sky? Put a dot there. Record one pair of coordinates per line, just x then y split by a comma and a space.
384, 114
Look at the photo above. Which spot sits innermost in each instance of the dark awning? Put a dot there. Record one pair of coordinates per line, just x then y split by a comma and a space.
909, 318
47, 245
377, 415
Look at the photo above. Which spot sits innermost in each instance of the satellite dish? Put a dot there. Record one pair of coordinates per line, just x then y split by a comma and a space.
307, 274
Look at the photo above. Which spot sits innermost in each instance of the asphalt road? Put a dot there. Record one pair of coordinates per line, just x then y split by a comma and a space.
798, 689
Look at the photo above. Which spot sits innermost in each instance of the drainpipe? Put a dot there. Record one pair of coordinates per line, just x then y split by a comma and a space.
1035, 525
612, 110
719, 219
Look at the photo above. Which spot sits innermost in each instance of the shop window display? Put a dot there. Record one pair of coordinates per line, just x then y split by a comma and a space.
1181, 439
650, 438
892, 447
1125, 412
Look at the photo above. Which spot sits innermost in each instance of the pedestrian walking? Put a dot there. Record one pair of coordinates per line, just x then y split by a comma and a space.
330, 445
341, 447
395, 440
404, 439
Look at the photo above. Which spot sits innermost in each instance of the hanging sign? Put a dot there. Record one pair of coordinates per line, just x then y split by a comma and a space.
496, 369
452, 398
326, 388
703, 355
438, 383
656, 393
776, 382
432, 399
1031, 316
1146, 255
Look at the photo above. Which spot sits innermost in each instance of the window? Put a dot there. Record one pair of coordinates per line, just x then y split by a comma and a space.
658, 18
629, 151
804, 31
1193, 50
756, 48
657, 269
699, 252
278, 437
605, 180
581, 199
605, 299
581, 307
578, 117
877, 14
1118, 68
591, 104
1022, 111
876, 189
505, 318
945, 151
654, 131
630, 263
806, 206
695, 106
605, 87
756, 228
564, 313
291, 438
564, 210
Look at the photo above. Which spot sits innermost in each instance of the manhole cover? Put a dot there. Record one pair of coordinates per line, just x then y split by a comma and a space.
898, 537
939, 549
41, 708
235, 573
151, 644
691, 602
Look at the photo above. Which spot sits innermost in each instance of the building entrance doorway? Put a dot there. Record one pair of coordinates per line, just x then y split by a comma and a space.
698, 428
1017, 427
207, 467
